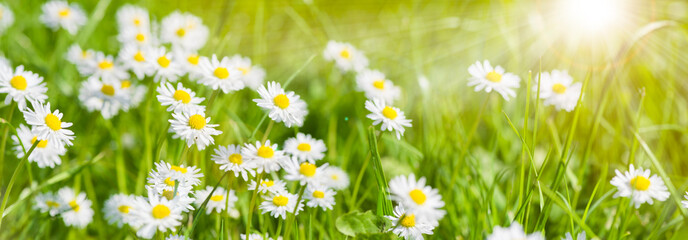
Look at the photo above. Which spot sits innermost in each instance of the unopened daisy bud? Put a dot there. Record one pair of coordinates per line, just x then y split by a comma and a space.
392, 118
194, 128
485, 77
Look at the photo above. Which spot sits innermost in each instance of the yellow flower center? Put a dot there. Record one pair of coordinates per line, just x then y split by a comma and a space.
265, 152
169, 182
217, 198
389, 112
124, 209
640, 183
345, 54
304, 147
137, 21
318, 194
181, 95
74, 205
178, 169
280, 201
244, 71
268, 183
417, 196
559, 88
126, 84
52, 204
53, 122
64, 13
334, 177
18, 82
181, 32
164, 62
139, 57
494, 77
193, 59
41, 144
235, 158
221, 73
161, 211
282, 101
379, 84
140, 37
107, 90
408, 221
197, 121
307, 169
105, 64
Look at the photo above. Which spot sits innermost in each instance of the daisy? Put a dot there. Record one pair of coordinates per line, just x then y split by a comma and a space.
375, 85
155, 214
194, 128
268, 186
306, 173
280, 203
639, 186
117, 209
179, 99
392, 118
484, 76
105, 96
220, 199
130, 16
189, 174
75, 208
183, 30
513, 232
47, 203
104, 67
416, 197
5, 64
137, 60
345, 56
46, 153
336, 178
407, 226
580, 236
82, 58
60, 14
305, 148
558, 89
251, 75
164, 66
6, 17
21, 85
220, 74
255, 236
134, 93
319, 196
189, 62
230, 160
48, 126
176, 237
282, 106
264, 157
139, 37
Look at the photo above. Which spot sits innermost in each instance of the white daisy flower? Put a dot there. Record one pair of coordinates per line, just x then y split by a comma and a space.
21, 85
251, 75
164, 66
183, 30
188, 174
345, 56
130, 16
218, 201
416, 197
639, 186
406, 225
194, 128
280, 203
6, 17
336, 178
47, 203
137, 60
375, 85
255, 236
183, 199
306, 173
264, 157
268, 186
319, 196
220, 74
392, 119
189, 62
282, 106
139, 37
81, 58
179, 99
134, 93
75, 208
155, 214
104, 67
558, 89
176, 237
46, 153
230, 160
5, 64
580, 236
513, 232
305, 148
105, 96
117, 209
60, 14
48, 125
484, 76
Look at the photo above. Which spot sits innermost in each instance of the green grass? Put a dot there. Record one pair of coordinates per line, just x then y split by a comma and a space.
493, 161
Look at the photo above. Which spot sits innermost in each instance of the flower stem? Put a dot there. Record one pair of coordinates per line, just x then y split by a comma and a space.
259, 177
292, 218
14, 177
3, 143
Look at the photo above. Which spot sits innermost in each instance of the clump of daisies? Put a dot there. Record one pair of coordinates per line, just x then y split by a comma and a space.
419, 207
558, 89
74, 208
640, 186
488, 78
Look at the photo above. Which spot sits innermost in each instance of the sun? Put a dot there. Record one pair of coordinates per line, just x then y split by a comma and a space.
591, 16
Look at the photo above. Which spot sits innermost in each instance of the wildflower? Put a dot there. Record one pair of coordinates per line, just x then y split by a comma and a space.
268, 186
186, 174
48, 126
218, 201
105, 96
345, 56
408, 226
138, 37
179, 99
558, 89
416, 197
392, 118
75, 208
305, 148
282, 106
484, 76
513, 232
46, 153
319, 196
82, 58
47, 203
255, 236
130, 16
183, 30
104, 67
6, 17
264, 157
580, 236
165, 68
306, 173
336, 178
230, 160
117, 209
639, 186
194, 128
22, 86
156, 213
176, 237
137, 60
220, 74
60, 14
375, 85
189, 61
280, 203
251, 75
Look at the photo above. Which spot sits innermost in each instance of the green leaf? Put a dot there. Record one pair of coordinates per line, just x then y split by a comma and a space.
355, 223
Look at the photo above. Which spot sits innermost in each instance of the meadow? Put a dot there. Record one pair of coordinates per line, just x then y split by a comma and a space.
344, 119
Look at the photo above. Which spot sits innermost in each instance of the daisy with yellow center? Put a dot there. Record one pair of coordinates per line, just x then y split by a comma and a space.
48, 125
375, 85
60, 14
335, 178
408, 225
306, 173
6, 17
184, 31
179, 99
268, 186
263, 157
640, 186
137, 60
132, 17
558, 89
47, 203
104, 67
46, 154
220, 74
117, 209
155, 213
165, 66
345, 56
391, 118
282, 106
252, 75
488, 78
230, 160
218, 200
417, 198
194, 128
81, 58
317, 195
106, 96
280, 203
77, 210
305, 148
22, 86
